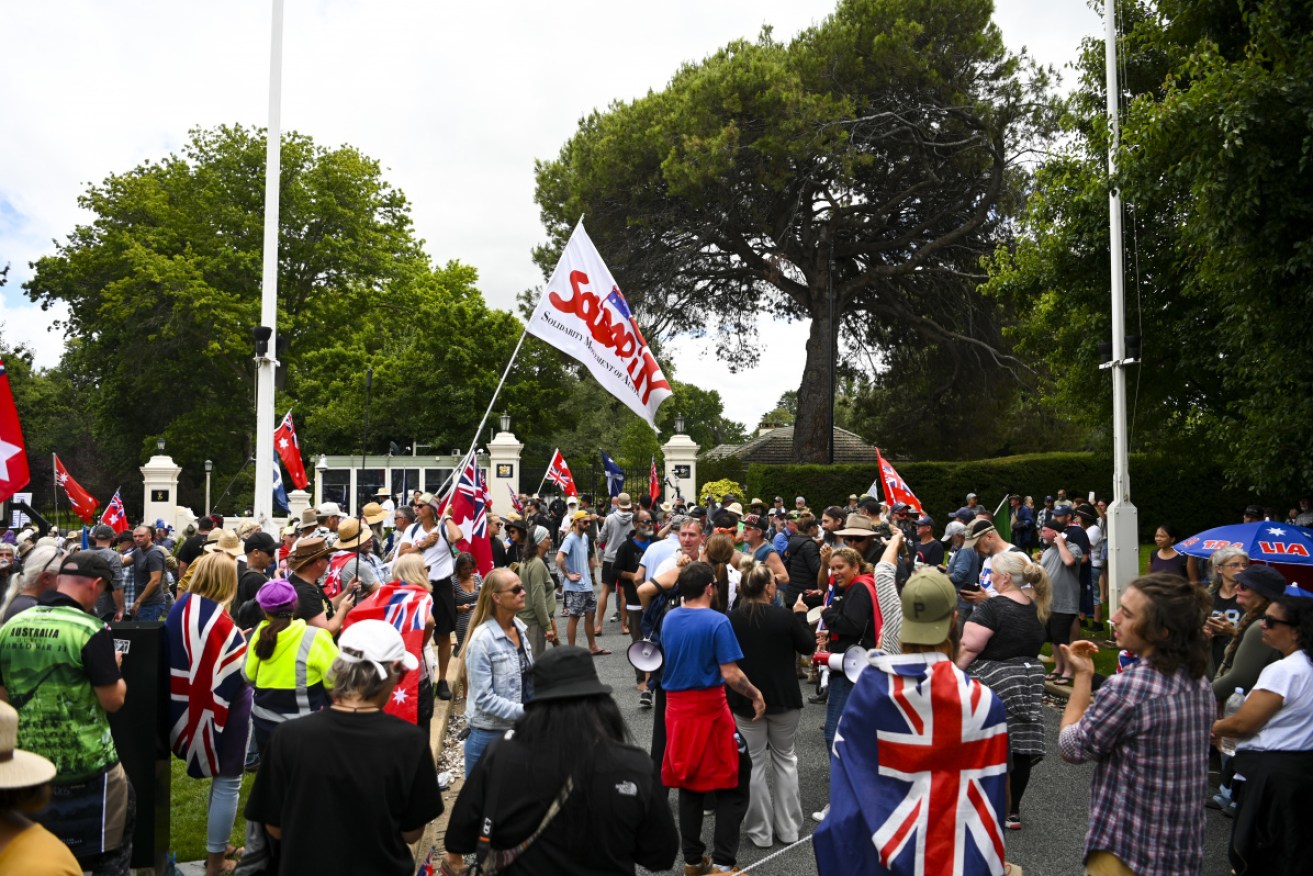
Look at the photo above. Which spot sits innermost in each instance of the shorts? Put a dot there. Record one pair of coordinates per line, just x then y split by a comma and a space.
580, 603
1059, 628
444, 607
609, 574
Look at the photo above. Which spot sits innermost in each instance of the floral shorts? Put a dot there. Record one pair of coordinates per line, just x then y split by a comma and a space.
580, 603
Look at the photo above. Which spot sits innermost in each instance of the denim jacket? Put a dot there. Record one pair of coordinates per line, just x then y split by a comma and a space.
492, 673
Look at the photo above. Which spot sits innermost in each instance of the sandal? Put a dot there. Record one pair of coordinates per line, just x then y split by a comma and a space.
600, 652
1053, 676
1063, 681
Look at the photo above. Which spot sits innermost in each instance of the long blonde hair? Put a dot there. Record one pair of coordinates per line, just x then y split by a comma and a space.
1014, 569
483, 609
410, 569
214, 577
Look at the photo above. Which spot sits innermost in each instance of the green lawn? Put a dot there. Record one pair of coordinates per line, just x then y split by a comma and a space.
189, 806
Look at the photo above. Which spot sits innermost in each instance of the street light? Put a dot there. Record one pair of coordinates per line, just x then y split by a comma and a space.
679, 424
209, 467
159, 444
506, 422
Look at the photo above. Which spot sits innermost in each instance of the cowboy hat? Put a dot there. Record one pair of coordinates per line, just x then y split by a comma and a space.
307, 551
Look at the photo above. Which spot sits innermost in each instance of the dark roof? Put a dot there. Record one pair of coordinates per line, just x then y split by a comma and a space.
776, 448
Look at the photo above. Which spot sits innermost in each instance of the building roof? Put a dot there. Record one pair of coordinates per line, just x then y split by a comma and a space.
775, 447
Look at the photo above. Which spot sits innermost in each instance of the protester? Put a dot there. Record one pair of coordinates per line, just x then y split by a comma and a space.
573, 560
1061, 561
40, 575
466, 586
109, 607
407, 603
1247, 654
25, 846
498, 660
802, 561
260, 555
57, 661
347, 788
626, 565
1000, 646
1274, 750
615, 528
434, 539
874, 815
1147, 732
704, 752
771, 638
205, 653
1227, 612
539, 613
1166, 558
148, 602
571, 732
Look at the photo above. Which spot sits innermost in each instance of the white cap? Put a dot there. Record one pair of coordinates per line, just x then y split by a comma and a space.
329, 509
955, 527
378, 642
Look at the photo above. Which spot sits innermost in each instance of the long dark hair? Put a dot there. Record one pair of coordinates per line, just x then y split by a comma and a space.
1173, 623
268, 638
572, 736
1299, 611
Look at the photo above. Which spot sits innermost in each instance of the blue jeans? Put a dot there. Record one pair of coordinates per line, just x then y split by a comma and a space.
840, 688
153, 612
224, 791
478, 742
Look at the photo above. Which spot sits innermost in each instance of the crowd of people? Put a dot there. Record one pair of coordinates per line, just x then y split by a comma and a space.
313, 656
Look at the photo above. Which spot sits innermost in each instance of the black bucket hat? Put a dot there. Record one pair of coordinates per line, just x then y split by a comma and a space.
566, 673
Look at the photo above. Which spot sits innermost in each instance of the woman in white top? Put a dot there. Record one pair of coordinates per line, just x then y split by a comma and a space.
1274, 751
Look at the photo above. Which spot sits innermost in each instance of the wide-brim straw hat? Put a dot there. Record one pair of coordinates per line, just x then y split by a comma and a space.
225, 541
18, 768
351, 534
373, 513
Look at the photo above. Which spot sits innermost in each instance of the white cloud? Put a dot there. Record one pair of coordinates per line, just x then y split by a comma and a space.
455, 100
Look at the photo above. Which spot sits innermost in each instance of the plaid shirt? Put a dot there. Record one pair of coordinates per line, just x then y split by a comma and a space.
1148, 734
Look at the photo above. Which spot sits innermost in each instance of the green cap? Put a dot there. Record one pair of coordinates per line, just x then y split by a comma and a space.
928, 603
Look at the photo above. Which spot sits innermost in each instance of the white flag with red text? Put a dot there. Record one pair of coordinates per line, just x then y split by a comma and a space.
583, 313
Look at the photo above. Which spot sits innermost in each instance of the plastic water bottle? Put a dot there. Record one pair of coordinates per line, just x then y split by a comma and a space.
1233, 704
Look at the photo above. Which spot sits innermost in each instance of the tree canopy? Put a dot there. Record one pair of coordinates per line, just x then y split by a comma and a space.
865, 167
1216, 141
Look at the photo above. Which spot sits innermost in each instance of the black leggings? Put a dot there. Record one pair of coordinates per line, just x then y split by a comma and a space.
1019, 778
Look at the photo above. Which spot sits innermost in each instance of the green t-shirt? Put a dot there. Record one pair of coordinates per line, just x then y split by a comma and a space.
50, 661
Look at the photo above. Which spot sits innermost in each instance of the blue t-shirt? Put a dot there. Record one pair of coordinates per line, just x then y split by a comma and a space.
575, 548
780, 542
696, 642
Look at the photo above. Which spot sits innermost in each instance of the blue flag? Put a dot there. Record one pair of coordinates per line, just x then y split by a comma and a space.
917, 774
615, 476
280, 494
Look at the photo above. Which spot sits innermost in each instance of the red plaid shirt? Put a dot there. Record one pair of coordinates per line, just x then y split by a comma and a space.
1148, 734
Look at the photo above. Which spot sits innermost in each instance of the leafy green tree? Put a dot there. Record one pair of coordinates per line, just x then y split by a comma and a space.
1213, 166
856, 171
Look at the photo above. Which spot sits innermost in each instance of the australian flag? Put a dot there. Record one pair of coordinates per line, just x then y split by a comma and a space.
615, 476
917, 774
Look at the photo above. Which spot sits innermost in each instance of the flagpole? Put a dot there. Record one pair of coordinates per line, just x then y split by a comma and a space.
539, 491
266, 362
54, 482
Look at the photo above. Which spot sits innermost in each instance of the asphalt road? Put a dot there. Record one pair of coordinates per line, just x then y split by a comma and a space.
1055, 811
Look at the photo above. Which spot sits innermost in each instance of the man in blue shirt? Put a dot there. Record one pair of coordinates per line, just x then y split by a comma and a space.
573, 562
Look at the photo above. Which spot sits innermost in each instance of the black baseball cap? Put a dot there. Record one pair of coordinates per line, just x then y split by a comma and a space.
88, 564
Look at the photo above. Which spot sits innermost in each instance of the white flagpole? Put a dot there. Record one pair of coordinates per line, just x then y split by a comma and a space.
267, 364
54, 481
539, 491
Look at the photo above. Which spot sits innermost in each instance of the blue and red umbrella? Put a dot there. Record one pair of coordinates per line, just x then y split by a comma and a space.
1276, 544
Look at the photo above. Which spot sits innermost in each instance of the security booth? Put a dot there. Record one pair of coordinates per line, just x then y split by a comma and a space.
141, 735
353, 481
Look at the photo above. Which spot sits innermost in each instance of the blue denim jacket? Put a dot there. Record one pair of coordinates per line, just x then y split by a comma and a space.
492, 674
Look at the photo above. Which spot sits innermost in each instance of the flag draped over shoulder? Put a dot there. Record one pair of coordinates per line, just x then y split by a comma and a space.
917, 774
115, 517
206, 654
84, 505
583, 314
289, 450
14, 473
895, 488
469, 511
405, 607
558, 473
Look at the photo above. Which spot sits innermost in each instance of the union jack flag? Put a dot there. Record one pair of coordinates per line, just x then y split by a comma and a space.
406, 607
558, 473
469, 511
917, 775
895, 488
115, 517
206, 654
515, 501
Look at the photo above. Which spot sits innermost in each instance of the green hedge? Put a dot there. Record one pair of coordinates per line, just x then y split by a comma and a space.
1190, 494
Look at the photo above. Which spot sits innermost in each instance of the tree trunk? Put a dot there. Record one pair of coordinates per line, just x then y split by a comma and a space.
814, 426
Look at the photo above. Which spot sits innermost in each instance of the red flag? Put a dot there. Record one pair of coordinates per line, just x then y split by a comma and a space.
115, 517
14, 473
289, 450
469, 511
559, 473
84, 506
653, 482
895, 488
405, 606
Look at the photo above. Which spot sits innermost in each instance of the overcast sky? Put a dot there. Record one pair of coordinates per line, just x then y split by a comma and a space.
456, 100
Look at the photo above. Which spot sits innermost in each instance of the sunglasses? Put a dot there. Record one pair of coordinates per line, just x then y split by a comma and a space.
514, 589
1267, 620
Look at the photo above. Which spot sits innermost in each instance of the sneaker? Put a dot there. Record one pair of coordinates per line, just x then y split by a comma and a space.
723, 868
820, 816
699, 869
819, 699
645, 700
443, 692
1013, 822
615, 618
253, 765
1229, 810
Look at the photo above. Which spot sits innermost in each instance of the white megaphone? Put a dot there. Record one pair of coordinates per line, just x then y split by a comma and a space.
645, 655
851, 662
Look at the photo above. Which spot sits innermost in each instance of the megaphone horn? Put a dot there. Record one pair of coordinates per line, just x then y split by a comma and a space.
645, 655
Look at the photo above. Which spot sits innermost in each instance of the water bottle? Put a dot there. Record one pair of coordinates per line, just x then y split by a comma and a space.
1233, 704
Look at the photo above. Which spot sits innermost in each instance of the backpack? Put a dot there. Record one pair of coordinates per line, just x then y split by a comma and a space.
655, 614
